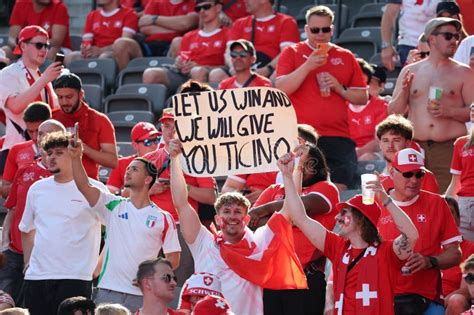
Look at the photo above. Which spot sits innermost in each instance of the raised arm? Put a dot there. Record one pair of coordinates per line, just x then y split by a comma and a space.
401, 93
188, 218
89, 192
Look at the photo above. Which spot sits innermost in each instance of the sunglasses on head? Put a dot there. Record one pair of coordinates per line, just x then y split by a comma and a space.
469, 278
315, 30
241, 54
449, 35
424, 54
150, 142
204, 7
418, 174
168, 277
40, 46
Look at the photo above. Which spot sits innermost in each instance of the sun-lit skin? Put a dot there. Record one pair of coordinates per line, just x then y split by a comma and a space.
346, 223
206, 16
159, 288
405, 188
168, 130
31, 55
32, 129
58, 160
319, 38
446, 48
390, 143
232, 220
136, 175
69, 99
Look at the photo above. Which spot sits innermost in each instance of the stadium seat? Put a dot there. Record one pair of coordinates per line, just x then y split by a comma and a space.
124, 121
94, 96
3, 40
104, 174
96, 71
377, 59
127, 102
362, 41
370, 14
134, 71
364, 167
348, 194
155, 92
76, 41
389, 86
125, 148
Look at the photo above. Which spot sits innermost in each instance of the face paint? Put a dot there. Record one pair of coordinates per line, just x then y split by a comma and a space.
225, 222
346, 221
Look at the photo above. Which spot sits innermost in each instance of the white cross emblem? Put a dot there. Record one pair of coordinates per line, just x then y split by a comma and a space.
366, 294
220, 304
339, 304
421, 217
207, 280
412, 158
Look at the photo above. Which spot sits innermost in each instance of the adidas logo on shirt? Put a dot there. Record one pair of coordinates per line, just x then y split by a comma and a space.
123, 216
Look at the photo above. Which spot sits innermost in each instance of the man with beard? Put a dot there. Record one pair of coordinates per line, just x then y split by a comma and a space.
96, 129
137, 229
244, 261
60, 234
49, 14
394, 134
438, 120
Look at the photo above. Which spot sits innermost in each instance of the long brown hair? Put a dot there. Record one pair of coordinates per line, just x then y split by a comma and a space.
369, 232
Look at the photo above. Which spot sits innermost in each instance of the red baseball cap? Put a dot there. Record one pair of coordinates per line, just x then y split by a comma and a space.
371, 212
27, 33
201, 284
408, 160
167, 114
212, 305
143, 130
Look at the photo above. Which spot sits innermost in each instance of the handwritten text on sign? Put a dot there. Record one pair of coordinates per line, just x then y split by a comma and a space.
234, 131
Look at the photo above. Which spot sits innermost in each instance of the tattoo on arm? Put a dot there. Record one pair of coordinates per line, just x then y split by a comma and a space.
402, 245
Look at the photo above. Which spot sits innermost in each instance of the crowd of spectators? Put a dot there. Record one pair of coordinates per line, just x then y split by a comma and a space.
143, 242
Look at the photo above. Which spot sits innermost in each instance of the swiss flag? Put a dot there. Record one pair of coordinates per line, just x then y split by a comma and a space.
412, 158
267, 257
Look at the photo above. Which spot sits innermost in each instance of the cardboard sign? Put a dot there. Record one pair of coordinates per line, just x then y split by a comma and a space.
235, 131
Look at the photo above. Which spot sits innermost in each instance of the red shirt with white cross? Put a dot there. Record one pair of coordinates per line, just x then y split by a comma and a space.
231, 83
205, 49
462, 164
436, 228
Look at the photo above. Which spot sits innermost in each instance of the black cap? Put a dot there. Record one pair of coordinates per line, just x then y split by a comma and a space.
447, 6
379, 73
245, 44
68, 80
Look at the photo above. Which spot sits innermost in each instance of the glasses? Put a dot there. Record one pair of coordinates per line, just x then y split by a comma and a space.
150, 142
168, 277
424, 54
204, 7
469, 278
315, 30
241, 54
418, 174
449, 35
40, 46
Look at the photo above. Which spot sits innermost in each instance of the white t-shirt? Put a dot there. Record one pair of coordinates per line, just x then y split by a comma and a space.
67, 235
413, 18
13, 82
463, 53
244, 297
133, 236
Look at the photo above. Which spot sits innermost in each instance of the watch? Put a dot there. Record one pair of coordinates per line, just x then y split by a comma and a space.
433, 262
385, 45
153, 19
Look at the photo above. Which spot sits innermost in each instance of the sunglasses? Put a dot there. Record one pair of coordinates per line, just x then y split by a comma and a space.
418, 174
424, 54
40, 46
167, 278
150, 142
315, 30
241, 54
449, 35
204, 7
469, 278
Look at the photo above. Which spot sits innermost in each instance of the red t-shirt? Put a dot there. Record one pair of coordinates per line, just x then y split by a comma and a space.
206, 49
452, 276
231, 83
435, 224
237, 10
26, 176
56, 13
165, 200
305, 250
167, 8
362, 124
388, 266
102, 29
270, 34
131, 3
169, 311
257, 180
328, 115
20, 154
94, 129
463, 164
429, 182
467, 11
117, 175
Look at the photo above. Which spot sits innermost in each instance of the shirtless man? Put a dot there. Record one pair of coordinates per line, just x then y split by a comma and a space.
436, 123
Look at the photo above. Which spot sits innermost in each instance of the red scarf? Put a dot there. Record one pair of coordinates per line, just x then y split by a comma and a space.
49, 99
367, 300
267, 257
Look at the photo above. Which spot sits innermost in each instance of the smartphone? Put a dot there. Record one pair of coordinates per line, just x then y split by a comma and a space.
76, 132
59, 58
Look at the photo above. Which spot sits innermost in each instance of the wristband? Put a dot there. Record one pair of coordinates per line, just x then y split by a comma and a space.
270, 70
153, 19
433, 262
